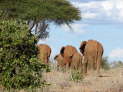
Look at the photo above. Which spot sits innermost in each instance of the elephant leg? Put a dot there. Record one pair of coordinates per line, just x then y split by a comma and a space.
57, 67
68, 62
95, 63
43, 58
91, 65
80, 67
46, 60
72, 66
75, 66
98, 64
85, 65
66, 66
91, 60
83, 68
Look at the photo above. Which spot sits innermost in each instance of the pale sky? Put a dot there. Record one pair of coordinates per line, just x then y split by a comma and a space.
102, 20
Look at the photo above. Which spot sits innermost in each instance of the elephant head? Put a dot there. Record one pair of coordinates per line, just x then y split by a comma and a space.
59, 60
44, 52
82, 47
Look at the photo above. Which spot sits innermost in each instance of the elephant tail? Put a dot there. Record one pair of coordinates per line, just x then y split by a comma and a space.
62, 51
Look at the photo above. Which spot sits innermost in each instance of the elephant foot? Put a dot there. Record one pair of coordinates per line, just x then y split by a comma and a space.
85, 74
98, 74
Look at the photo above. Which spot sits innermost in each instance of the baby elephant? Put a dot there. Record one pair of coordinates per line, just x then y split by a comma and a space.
59, 59
77, 60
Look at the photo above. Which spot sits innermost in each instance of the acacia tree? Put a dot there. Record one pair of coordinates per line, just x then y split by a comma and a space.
40, 13
18, 66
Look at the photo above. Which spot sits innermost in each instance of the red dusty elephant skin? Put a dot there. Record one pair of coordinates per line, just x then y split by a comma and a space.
67, 53
44, 52
60, 61
92, 51
77, 61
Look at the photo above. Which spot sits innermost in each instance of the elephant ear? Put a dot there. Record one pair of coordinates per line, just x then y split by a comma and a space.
82, 47
55, 57
49, 52
62, 51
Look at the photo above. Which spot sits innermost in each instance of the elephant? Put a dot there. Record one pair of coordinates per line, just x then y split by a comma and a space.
67, 53
59, 59
92, 51
44, 52
77, 61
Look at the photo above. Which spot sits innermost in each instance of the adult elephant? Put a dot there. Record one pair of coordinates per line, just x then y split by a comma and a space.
44, 52
67, 53
92, 51
77, 61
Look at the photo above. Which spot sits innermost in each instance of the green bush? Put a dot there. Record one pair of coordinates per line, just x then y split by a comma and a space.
76, 76
19, 67
105, 63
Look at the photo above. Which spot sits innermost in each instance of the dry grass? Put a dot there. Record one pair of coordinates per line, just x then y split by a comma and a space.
108, 81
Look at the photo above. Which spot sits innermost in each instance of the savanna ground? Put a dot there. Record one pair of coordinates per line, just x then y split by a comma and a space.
68, 81
109, 81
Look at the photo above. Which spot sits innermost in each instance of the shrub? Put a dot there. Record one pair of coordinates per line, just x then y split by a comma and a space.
19, 67
105, 63
76, 76
116, 64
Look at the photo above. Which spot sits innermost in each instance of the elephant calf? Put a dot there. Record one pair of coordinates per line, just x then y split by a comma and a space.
77, 61
59, 59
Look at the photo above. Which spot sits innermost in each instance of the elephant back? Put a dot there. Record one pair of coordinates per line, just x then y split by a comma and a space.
100, 49
44, 52
68, 51
44, 49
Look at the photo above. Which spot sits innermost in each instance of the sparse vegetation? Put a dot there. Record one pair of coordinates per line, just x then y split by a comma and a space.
76, 76
116, 64
105, 63
110, 81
